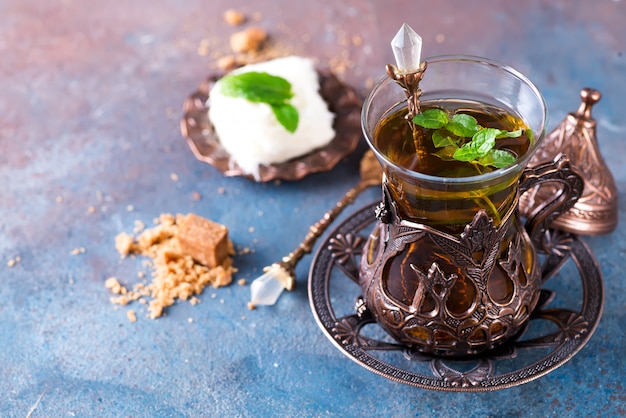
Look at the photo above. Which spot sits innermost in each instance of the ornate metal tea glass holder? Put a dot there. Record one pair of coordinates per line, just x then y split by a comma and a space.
450, 269
473, 297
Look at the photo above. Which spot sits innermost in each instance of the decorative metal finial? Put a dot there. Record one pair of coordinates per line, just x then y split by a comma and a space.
596, 211
408, 71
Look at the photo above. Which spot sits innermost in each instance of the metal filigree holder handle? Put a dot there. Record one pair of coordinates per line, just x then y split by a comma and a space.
540, 218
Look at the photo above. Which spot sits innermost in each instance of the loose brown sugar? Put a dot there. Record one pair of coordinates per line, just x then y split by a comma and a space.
176, 274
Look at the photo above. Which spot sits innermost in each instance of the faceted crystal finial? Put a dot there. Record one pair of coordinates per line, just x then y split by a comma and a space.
407, 49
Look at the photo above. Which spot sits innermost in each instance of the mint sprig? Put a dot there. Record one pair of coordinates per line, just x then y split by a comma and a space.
451, 138
261, 87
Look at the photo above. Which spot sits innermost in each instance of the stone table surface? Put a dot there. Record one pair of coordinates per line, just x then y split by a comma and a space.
91, 99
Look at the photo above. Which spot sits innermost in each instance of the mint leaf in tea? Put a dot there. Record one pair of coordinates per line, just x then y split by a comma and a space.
452, 138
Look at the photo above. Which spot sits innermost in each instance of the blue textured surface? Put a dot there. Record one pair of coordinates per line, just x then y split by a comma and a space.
90, 103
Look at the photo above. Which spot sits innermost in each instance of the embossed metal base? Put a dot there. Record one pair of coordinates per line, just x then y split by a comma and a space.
564, 320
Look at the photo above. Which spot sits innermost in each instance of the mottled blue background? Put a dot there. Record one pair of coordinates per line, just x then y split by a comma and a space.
91, 97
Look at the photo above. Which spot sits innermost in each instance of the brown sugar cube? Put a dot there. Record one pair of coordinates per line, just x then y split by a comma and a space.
248, 40
204, 240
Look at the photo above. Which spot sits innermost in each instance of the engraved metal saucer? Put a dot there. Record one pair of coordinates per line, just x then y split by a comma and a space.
342, 100
566, 316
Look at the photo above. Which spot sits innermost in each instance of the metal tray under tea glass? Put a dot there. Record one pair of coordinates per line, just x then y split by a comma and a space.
566, 316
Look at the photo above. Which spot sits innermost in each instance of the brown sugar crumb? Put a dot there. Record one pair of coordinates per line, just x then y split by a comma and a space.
114, 285
244, 251
124, 244
77, 251
242, 282
248, 40
120, 300
187, 254
131, 315
234, 17
227, 63
139, 227
204, 47
251, 306
196, 196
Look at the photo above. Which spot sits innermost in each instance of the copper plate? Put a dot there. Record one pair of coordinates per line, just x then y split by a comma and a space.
559, 327
342, 101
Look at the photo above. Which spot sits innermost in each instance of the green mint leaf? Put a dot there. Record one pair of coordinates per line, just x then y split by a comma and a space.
287, 115
264, 88
484, 140
431, 119
463, 125
466, 153
531, 136
446, 153
257, 87
507, 134
442, 139
497, 158
449, 132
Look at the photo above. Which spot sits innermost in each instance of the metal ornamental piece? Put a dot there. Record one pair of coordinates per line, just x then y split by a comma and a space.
452, 295
555, 334
410, 83
596, 212
450, 308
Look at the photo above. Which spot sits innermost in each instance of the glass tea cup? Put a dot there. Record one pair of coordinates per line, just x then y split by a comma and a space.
450, 268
